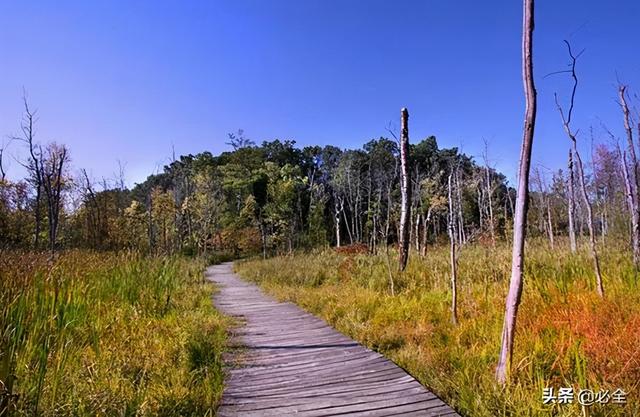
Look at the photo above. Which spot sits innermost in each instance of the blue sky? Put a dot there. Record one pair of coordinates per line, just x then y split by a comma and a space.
128, 80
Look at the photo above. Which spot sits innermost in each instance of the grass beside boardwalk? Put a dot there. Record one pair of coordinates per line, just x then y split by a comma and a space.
566, 335
109, 335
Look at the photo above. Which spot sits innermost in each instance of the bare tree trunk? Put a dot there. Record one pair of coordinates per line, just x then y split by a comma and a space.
152, 239
461, 231
337, 222
405, 191
480, 203
629, 198
452, 253
34, 166
550, 225
52, 172
417, 232
544, 202
346, 223
633, 180
489, 193
572, 205
520, 220
592, 237
425, 232
566, 123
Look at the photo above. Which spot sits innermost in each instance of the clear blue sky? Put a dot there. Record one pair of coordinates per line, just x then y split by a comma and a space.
127, 80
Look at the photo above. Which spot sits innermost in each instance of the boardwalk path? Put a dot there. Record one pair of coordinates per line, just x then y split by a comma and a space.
293, 363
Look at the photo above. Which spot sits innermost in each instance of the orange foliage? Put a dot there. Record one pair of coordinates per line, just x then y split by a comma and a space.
608, 332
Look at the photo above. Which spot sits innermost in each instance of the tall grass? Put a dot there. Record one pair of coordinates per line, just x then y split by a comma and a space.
566, 336
106, 334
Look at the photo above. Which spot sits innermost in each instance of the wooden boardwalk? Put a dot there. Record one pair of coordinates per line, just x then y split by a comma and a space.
292, 363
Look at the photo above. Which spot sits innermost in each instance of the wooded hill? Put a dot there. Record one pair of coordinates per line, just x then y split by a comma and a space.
276, 197
269, 198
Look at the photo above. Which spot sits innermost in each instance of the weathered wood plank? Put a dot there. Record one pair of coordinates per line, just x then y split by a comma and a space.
291, 362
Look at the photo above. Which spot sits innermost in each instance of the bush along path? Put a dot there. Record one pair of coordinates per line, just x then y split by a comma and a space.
291, 362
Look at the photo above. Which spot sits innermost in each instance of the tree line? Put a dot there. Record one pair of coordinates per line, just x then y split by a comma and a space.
276, 197
267, 198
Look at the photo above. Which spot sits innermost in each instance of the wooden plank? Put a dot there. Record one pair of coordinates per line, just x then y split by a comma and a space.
291, 362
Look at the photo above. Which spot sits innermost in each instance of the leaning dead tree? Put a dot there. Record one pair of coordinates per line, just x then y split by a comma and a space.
522, 201
452, 253
405, 190
566, 123
632, 178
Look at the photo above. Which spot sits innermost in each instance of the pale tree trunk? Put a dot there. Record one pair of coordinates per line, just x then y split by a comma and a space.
629, 193
481, 208
632, 188
346, 224
545, 201
592, 237
489, 193
463, 236
452, 253
520, 220
461, 231
425, 232
572, 205
405, 191
417, 232
550, 225
566, 123
337, 210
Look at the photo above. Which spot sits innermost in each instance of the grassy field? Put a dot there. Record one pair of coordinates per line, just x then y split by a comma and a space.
106, 334
566, 336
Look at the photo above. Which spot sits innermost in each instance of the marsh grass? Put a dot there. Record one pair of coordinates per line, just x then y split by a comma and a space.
89, 333
566, 335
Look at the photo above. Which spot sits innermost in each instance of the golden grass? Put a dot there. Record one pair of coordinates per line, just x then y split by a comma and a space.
566, 335
108, 334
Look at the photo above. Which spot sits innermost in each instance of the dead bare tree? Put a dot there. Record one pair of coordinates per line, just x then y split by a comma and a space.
33, 165
405, 190
462, 236
489, 190
545, 204
53, 165
338, 208
571, 197
632, 183
520, 219
94, 216
566, 123
452, 254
